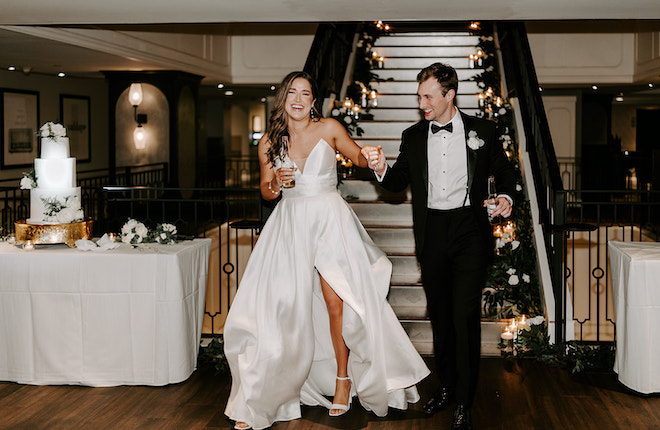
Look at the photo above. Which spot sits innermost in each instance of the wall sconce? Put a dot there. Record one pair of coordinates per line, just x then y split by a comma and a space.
135, 98
257, 129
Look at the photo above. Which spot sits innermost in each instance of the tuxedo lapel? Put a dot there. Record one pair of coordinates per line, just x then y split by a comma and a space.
422, 152
471, 155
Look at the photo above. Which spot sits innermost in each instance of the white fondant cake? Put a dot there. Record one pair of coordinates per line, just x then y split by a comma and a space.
56, 199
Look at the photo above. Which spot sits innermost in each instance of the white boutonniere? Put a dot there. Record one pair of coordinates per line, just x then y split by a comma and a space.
474, 142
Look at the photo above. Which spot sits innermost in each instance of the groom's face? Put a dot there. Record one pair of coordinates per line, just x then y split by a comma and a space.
436, 106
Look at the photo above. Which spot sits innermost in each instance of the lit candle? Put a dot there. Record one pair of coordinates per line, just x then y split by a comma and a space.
471, 62
523, 320
28, 245
111, 236
507, 335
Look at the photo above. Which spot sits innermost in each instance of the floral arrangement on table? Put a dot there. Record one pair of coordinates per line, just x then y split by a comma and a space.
135, 232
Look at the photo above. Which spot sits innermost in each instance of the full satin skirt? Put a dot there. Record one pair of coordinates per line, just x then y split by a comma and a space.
277, 334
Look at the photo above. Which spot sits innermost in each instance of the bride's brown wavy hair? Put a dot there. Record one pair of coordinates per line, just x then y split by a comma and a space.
278, 123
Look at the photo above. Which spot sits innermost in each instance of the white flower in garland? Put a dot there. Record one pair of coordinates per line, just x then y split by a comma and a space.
515, 244
513, 280
511, 271
525, 278
473, 141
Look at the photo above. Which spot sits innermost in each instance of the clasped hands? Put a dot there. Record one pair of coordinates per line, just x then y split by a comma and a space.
375, 158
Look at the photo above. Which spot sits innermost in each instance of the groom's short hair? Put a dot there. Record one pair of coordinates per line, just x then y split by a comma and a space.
445, 74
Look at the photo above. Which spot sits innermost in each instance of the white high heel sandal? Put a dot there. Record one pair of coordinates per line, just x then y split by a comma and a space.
342, 408
242, 426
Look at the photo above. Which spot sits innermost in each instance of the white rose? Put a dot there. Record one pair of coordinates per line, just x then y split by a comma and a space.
537, 320
66, 215
58, 130
141, 230
473, 141
513, 280
335, 112
511, 271
515, 244
127, 237
73, 203
163, 236
26, 183
518, 187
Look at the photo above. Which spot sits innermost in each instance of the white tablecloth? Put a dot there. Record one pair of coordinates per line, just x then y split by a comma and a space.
128, 316
636, 286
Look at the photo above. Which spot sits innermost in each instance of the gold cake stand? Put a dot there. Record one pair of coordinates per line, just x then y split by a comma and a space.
53, 233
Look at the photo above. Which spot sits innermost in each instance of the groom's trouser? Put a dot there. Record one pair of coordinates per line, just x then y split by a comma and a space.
454, 262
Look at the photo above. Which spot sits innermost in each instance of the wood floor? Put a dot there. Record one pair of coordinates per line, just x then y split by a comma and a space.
512, 395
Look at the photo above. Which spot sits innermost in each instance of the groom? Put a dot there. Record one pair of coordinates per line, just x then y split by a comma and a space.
447, 159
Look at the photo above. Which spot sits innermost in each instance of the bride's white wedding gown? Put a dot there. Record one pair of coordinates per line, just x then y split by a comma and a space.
277, 334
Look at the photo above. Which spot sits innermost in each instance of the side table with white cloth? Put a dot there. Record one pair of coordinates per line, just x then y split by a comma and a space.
127, 316
635, 270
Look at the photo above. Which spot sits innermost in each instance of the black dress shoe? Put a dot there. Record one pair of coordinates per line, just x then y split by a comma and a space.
440, 400
462, 418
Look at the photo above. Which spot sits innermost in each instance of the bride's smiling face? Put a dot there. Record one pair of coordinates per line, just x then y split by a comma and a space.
299, 100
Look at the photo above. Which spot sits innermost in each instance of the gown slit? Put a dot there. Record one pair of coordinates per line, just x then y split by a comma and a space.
277, 334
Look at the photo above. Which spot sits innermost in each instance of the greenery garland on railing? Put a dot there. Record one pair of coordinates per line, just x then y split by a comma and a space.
513, 286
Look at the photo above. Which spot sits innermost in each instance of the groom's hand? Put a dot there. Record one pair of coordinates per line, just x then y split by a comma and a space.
375, 158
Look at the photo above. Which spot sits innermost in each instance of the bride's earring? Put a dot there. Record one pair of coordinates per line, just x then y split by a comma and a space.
311, 113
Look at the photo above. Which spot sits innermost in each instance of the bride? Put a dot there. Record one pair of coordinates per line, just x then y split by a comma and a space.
310, 318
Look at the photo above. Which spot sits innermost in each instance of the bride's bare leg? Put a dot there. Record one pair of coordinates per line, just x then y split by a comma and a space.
336, 311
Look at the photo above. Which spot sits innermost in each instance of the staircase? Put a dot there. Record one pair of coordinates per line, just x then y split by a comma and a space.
387, 216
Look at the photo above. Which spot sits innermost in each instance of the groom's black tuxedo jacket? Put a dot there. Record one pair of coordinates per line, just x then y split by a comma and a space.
411, 167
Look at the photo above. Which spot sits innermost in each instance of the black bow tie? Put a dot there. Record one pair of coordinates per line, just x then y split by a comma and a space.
436, 128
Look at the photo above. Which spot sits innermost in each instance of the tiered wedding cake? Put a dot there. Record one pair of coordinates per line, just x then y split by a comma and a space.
56, 214
56, 199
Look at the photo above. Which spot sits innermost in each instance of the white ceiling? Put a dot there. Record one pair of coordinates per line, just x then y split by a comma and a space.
259, 17
45, 12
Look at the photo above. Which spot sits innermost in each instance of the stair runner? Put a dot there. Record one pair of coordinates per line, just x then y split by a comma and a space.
387, 216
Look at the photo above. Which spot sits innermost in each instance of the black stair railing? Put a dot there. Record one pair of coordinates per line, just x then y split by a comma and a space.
329, 56
522, 83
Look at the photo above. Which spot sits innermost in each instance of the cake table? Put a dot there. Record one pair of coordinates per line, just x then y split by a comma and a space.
128, 316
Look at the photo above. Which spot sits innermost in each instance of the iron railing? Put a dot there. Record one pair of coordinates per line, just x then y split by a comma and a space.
590, 223
15, 203
329, 55
522, 83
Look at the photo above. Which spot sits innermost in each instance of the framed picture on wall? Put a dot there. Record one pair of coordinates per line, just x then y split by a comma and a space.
20, 123
75, 112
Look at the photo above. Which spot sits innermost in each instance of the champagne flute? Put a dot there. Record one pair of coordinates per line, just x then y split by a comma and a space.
491, 202
286, 162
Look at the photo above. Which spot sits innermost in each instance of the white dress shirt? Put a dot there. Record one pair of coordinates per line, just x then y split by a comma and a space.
447, 167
